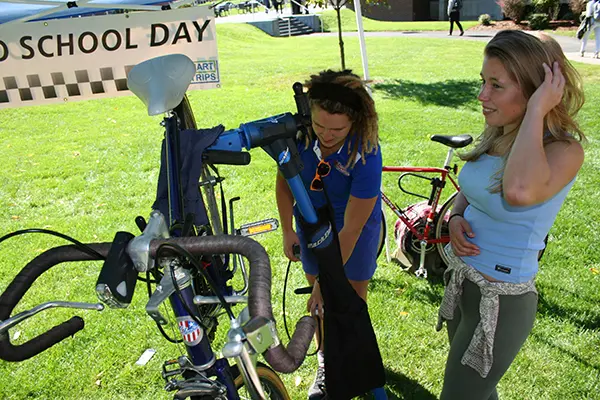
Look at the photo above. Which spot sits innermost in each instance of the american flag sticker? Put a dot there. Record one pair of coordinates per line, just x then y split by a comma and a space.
190, 331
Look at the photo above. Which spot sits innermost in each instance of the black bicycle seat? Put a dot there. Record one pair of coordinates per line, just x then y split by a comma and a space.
456, 142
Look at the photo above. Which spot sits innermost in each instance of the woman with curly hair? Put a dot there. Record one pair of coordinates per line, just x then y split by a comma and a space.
343, 147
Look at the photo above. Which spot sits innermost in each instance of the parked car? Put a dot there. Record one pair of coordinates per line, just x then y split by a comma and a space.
224, 8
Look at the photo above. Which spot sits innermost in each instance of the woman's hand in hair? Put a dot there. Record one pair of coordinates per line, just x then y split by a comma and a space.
460, 229
550, 93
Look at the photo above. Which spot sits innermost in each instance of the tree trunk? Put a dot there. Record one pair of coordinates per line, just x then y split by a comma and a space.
339, 18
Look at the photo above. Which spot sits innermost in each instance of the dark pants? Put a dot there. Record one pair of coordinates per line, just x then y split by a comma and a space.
515, 321
455, 17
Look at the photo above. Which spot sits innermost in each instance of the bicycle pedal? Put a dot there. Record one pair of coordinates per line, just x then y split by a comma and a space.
256, 228
166, 372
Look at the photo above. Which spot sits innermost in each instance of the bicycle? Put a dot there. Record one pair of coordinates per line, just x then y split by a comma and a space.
189, 264
433, 235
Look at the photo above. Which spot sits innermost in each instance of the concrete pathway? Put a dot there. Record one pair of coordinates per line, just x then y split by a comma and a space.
569, 45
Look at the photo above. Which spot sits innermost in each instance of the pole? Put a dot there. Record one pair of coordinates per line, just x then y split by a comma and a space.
361, 39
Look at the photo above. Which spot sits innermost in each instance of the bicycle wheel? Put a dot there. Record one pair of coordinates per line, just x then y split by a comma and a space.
442, 232
272, 385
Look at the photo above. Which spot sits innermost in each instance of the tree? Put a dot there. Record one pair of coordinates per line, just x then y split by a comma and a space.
337, 6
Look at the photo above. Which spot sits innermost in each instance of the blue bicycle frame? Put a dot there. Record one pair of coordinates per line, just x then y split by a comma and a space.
247, 136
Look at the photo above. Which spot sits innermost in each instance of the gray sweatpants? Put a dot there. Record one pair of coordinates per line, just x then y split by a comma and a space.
515, 321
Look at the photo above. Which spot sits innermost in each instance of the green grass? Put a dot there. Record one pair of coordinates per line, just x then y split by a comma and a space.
88, 168
330, 24
569, 33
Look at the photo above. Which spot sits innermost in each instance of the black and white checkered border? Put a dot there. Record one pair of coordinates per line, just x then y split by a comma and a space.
10, 85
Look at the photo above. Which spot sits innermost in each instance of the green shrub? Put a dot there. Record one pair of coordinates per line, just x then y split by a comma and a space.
513, 9
538, 22
485, 19
548, 7
569, 16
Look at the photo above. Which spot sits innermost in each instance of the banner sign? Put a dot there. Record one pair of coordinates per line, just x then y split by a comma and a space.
62, 60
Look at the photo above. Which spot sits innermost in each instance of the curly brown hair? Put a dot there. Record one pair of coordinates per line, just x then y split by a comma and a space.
364, 118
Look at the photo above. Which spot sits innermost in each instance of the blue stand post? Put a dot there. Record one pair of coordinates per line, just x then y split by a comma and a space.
379, 394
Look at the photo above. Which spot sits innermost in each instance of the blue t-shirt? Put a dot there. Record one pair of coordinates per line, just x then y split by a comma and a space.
362, 181
509, 237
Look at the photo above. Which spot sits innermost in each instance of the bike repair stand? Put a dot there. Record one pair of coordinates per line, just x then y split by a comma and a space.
379, 394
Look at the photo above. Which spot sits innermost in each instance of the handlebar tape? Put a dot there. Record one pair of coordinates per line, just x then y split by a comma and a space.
23, 281
282, 359
226, 157
9, 352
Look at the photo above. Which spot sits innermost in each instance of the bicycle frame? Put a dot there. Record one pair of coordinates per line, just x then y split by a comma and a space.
446, 175
199, 351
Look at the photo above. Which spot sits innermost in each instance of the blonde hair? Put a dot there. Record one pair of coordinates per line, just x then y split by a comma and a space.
364, 120
522, 55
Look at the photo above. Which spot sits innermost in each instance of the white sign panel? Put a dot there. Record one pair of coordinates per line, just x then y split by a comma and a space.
63, 60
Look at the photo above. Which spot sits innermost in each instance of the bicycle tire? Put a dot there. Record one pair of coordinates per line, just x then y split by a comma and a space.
441, 231
271, 383
382, 234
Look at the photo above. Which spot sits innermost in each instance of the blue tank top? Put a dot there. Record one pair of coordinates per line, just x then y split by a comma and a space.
509, 238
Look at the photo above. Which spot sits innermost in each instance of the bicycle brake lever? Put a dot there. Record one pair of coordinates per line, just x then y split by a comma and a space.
139, 247
165, 288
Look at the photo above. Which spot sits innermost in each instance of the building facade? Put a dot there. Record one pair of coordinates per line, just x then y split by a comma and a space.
427, 10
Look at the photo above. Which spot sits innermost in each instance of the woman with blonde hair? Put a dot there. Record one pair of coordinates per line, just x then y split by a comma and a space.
513, 185
342, 165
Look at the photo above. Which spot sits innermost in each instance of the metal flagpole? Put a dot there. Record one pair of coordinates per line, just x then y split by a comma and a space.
361, 39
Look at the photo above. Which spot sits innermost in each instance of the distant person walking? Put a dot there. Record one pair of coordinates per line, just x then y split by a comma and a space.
592, 16
278, 4
454, 7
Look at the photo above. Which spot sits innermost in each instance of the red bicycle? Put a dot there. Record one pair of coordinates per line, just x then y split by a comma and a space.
427, 234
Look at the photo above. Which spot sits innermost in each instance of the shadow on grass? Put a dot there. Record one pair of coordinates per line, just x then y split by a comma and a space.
401, 386
430, 294
581, 316
569, 353
450, 93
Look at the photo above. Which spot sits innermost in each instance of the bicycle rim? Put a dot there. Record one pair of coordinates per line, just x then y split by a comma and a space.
210, 200
273, 387
441, 230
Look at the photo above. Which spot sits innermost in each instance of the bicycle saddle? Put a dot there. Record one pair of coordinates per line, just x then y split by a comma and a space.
161, 82
456, 142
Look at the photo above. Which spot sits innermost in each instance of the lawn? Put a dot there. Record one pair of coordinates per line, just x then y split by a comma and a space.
87, 169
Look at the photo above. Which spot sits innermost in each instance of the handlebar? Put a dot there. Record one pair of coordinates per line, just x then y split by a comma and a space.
19, 286
282, 359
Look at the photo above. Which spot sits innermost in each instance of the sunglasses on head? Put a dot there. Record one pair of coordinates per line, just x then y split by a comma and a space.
322, 171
